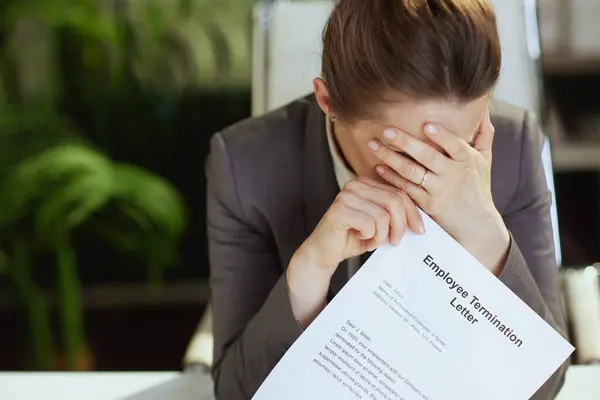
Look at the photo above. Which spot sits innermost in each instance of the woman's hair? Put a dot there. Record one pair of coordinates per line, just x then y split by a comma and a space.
376, 50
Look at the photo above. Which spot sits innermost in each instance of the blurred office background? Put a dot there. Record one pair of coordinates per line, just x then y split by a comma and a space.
106, 109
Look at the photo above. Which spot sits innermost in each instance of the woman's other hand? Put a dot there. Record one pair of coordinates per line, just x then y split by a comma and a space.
452, 185
365, 215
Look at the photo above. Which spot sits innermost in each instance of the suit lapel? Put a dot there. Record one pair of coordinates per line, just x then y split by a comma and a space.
320, 186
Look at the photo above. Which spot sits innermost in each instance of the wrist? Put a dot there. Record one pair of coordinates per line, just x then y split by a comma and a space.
310, 257
492, 245
304, 266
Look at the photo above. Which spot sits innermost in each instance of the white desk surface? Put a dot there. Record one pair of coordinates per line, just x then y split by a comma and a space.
78, 385
583, 383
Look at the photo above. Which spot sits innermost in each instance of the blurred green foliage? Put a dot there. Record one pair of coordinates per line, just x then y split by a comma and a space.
69, 67
50, 193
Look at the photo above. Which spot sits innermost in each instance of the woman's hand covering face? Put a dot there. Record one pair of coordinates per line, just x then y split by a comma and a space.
452, 184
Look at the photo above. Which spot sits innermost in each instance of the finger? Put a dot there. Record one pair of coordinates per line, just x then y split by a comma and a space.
347, 218
417, 193
409, 169
388, 198
396, 202
414, 220
378, 214
485, 138
454, 146
423, 153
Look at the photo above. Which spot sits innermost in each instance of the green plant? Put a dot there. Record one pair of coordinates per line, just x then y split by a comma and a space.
53, 188
112, 71
55, 57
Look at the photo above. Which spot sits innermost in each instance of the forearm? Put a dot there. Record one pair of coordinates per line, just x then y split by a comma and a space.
249, 359
308, 286
517, 276
491, 244
296, 300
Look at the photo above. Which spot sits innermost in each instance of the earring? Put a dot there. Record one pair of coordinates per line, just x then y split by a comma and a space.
333, 119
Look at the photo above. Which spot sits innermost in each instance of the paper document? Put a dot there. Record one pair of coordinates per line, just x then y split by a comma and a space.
423, 320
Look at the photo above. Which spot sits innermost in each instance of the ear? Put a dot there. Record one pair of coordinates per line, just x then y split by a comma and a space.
322, 95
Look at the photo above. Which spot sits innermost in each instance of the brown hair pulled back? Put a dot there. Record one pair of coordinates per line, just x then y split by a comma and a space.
374, 50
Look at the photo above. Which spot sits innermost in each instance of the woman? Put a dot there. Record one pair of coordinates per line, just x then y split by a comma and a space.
401, 118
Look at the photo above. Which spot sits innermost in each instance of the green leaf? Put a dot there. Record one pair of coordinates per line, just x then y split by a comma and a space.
148, 217
51, 185
151, 195
72, 204
86, 19
27, 132
70, 184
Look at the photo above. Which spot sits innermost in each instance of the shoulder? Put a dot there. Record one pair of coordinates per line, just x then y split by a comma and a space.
515, 126
517, 146
249, 159
256, 135
506, 117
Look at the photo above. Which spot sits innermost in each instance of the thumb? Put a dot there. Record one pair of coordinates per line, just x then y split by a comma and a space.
485, 137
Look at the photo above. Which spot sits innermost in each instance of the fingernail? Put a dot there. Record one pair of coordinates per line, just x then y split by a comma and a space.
380, 170
373, 145
429, 128
421, 228
390, 134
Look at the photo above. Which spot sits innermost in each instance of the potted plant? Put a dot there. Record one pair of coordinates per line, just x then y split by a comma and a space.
53, 188
56, 57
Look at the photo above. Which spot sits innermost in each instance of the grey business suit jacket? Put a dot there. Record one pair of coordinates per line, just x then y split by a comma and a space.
271, 179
